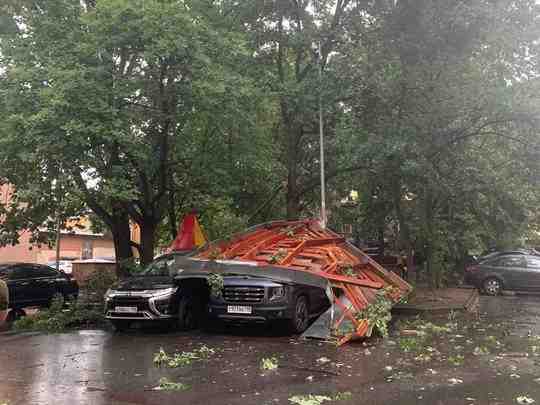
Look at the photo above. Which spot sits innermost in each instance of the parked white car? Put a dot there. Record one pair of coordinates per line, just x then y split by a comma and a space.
65, 265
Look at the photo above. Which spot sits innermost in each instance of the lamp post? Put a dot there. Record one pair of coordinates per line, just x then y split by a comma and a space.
321, 142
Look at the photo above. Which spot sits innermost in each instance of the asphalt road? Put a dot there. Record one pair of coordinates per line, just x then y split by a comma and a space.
491, 359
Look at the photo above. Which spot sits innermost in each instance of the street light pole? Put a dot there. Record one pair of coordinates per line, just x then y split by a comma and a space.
321, 144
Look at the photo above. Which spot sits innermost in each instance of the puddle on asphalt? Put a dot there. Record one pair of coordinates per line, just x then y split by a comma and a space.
92, 332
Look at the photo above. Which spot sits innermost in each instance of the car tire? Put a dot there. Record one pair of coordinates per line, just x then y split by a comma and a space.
300, 319
14, 315
186, 315
120, 325
492, 286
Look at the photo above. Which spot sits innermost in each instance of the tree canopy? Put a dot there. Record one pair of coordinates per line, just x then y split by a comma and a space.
142, 110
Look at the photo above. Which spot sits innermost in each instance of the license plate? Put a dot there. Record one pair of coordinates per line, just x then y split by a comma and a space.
238, 309
126, 310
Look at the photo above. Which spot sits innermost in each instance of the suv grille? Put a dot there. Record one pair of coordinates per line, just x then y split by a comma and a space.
139, 302
243, 294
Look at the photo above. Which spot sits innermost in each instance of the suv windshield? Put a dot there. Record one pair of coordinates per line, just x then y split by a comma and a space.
162, 266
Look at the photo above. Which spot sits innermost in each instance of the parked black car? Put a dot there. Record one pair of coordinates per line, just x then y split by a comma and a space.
508, 271
149, 296
35, 285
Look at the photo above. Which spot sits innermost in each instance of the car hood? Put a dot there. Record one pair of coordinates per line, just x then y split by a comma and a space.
145, 283
245, 281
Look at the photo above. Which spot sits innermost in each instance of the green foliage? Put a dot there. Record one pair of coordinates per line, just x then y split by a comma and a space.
143, 110
182, 359
98, 283
269, 364
59, 317
215, 281
168, 385
219, 219
378, 313
278, 256
309, 399
343, 396
410, 344
456, 360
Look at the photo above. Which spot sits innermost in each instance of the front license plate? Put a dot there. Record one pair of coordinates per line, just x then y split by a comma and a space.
126, 310
238, 309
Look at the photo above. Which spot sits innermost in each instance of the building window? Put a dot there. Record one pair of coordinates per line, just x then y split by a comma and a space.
87, 250
347, 229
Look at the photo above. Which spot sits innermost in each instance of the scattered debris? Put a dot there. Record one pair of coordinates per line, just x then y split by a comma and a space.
456, 360
514, 354
424, 358
480, 351
161, 358
524, 399
323, 360
343, 396
215, 281
309, 399
455, 381
167, 385
269, 364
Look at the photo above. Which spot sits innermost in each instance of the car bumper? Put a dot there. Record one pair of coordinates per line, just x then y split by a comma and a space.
471, 280
146, 309
258, 313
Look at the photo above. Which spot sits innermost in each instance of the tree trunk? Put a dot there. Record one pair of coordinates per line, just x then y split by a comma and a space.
121, 233
148, 233
293, 204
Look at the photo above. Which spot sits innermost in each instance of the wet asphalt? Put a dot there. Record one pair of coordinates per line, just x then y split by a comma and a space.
490, 358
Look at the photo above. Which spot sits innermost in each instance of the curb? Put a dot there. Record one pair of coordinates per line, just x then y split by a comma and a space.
469, 305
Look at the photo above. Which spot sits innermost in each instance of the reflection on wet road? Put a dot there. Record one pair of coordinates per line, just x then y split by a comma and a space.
490, 359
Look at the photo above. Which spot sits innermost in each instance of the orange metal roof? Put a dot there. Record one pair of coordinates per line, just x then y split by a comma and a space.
305, 246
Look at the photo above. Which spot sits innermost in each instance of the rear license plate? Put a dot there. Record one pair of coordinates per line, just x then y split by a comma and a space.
126, 310
238, 309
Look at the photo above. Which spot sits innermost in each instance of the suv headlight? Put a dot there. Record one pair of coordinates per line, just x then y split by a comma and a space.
276, 293
109, 294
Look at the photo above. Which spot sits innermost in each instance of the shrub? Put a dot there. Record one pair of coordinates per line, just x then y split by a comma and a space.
97, 285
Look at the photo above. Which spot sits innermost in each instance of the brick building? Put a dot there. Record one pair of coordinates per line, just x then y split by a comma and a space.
79, 242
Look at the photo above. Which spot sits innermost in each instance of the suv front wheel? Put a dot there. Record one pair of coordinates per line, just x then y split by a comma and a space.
492, 286
300, 319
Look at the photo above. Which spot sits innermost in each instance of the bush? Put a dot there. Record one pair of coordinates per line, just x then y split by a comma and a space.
59, 317
97, 285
